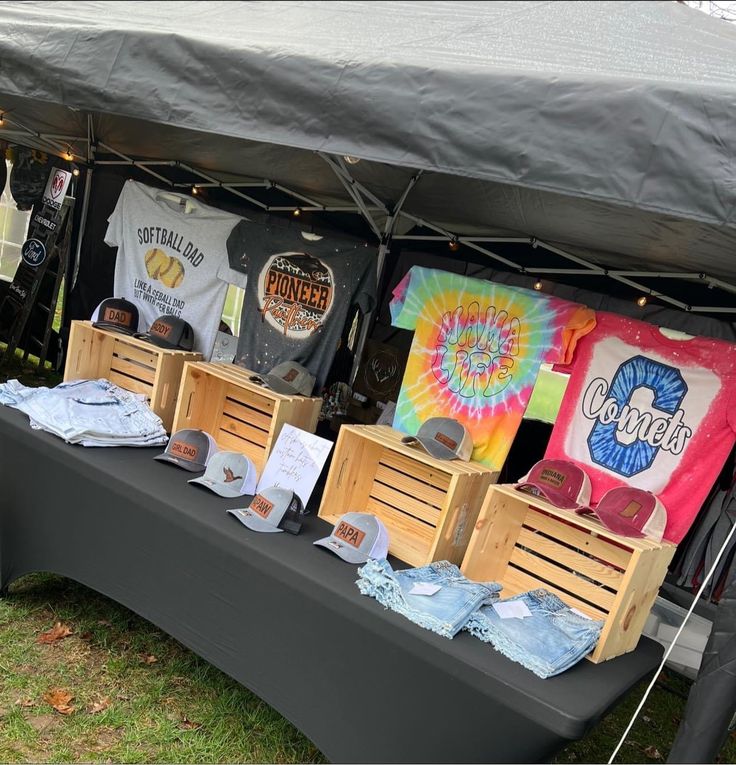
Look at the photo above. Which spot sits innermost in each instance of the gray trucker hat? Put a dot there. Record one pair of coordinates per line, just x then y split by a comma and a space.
357, 537
229, 474
190, 449
444, 438
272, 510
289, 378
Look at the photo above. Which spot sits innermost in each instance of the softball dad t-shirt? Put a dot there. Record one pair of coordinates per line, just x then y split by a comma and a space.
647, 411
172, 258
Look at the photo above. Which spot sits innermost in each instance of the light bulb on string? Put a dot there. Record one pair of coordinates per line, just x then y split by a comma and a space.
454, 245
2, 118
68, 156
538, 285
75, 172
351, 160
297, 212
195, 191
641, 301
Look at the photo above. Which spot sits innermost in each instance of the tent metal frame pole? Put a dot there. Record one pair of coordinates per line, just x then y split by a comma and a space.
134, 163
340, 170
71, 283
42, 137
211, 179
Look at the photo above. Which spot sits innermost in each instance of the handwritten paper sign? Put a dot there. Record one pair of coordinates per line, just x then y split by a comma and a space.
296, 462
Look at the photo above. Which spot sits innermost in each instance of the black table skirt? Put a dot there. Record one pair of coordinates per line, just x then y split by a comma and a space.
281, 616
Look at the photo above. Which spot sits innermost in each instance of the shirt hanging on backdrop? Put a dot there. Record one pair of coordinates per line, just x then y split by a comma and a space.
171, 261
476, 353
298, 295
646, 411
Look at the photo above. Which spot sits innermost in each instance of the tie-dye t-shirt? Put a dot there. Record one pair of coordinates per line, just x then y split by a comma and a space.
647, 411
476, 353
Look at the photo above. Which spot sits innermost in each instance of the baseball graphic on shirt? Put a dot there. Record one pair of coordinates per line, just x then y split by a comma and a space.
295, 293
165, 268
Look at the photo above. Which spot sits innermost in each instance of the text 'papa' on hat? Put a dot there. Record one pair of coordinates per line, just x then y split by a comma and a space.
229, 474
564, 484
272, 510
190, 449
117, 314
170, 332
444, 438
631, 512
289, 378
357, 537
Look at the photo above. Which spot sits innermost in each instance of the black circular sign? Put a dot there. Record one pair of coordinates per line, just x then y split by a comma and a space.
33, 252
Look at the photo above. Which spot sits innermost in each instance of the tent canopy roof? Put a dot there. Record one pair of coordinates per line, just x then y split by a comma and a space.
605, 128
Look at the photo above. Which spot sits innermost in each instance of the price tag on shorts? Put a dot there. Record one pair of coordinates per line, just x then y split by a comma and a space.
512, 609
424, 588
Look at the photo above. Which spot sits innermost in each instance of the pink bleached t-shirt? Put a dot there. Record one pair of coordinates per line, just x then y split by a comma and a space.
647, 411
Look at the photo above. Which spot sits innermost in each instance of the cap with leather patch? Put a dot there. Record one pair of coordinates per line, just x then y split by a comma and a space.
272, 510
170, 332
229, 474
357, 537
116, 314
289, 378
444, 438
631, 512
190, 449
561, 482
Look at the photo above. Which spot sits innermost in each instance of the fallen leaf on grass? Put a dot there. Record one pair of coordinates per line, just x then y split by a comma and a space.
59, 699
25, 703
149, 659
58, 632
189, 725
653, 752
646, 719
104, 623
99, 706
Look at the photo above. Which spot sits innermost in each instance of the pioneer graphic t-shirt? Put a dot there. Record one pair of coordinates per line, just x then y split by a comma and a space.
476, 353
647, 411
172, 258
298, 295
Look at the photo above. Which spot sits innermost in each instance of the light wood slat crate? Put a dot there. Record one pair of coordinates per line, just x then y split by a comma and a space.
523, 542
428, 505
240, 415
133, 364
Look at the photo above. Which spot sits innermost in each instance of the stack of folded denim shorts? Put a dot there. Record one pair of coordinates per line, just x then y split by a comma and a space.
88, 412
549, 639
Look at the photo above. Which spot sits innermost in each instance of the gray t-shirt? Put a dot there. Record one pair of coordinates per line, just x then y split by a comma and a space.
298, 295
172, 258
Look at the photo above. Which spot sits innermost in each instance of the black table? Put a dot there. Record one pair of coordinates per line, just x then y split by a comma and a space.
281, 616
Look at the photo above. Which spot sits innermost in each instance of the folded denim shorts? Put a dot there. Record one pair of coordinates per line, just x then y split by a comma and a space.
444, 612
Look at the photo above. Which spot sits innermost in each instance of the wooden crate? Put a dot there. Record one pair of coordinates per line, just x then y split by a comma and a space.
133, 364
241, 415
523, 542
429, 506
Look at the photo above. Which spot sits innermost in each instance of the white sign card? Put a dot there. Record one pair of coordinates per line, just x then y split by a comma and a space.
296, 462
56, 187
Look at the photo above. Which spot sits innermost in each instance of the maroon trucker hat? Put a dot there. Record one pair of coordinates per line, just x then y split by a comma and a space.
562, 483
631, 512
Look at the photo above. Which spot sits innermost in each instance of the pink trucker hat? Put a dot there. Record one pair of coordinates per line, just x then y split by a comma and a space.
562, 483
631, 512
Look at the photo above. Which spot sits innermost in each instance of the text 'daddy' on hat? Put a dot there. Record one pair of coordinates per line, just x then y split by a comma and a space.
190, 449
229, 474
272, 510
562, 483
357, 537
116, 314
289, 378
444, 438
631, 512
170, 332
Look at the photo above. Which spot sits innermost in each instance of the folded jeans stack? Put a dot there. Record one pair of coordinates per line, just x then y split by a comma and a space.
445, 611
87, 412
547, 639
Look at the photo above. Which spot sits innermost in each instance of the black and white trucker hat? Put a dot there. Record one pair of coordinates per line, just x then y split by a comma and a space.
116, 314
170, 332
272, 510
190, 449
229, 474
357, 537
444, 438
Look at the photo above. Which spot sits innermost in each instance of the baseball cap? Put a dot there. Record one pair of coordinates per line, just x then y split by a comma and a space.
117, 314
272, 510
170, 332
190, 449
561, 482
631, 512
229, 474
289, 378
444, 438
357, 537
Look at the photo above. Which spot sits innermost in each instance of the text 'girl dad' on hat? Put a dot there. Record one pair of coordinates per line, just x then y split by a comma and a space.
272, 511
190, 449
229, 474
444, 438
357, 537
564, 484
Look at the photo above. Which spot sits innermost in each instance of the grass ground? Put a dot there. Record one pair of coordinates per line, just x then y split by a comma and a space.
129, 693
